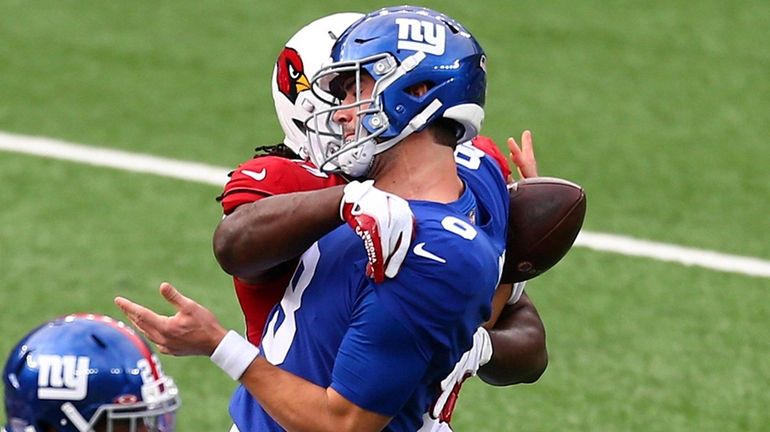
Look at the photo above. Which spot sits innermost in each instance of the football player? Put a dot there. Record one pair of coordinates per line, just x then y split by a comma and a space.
518, 339
285, 167
86, 373
425, 329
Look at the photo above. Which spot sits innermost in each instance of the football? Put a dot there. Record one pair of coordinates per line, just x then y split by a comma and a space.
545, 217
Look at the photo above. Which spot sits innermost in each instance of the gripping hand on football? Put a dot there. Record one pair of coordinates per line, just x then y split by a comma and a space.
468, 366
383, 221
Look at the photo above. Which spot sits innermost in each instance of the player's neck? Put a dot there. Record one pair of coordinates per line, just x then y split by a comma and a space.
419, 169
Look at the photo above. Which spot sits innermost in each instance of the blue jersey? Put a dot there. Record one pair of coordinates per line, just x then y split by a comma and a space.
483, 177
386, 347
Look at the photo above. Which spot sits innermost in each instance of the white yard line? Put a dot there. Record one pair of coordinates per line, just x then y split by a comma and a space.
674, 253
122, 160
216, 176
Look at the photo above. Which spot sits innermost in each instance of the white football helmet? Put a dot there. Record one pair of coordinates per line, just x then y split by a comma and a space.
301, 57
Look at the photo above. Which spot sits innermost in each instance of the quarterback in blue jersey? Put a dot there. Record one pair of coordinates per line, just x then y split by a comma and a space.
387, 103
386, 346
342, 352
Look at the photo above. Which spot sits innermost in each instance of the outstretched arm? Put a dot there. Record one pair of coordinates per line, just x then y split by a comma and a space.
295, 403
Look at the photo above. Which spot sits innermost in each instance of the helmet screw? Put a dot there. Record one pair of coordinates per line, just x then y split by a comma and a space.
380, 67
375, 121
400, 109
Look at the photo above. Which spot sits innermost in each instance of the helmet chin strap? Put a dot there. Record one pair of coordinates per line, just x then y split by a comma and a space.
358, 162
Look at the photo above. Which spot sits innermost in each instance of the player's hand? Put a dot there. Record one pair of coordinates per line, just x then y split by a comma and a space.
383, 221
193, 330
523, 157
468, 366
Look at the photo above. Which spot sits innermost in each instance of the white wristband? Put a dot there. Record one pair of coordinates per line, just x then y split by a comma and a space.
234, 354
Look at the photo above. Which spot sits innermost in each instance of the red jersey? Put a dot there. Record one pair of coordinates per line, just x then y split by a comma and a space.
265, 176
488, 145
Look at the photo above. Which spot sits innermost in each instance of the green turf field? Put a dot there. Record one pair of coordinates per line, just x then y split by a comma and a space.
661, 110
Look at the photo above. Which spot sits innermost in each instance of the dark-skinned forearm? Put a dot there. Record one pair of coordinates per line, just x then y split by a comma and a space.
519, 352
261, 235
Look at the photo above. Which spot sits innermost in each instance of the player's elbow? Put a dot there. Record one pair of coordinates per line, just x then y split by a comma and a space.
537, 366
522, 371
520, 356
223, 241
243, 260
234, 255
535, 356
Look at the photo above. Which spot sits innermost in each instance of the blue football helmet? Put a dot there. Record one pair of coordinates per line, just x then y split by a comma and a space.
87, 373
400, 48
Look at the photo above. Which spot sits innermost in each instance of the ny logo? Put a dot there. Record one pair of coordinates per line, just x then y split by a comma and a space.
62, 377
419, 35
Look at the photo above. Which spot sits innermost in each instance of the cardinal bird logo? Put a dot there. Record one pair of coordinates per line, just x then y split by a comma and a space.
291, 74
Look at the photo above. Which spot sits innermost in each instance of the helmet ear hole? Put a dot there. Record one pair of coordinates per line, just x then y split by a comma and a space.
419, 89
